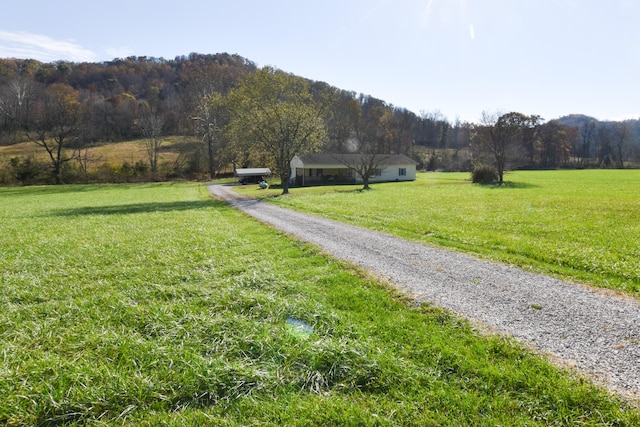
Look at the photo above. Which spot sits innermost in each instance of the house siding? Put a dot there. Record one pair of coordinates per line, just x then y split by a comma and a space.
322, 172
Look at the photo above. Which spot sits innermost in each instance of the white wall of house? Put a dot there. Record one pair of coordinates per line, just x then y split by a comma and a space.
394, 173
398, 172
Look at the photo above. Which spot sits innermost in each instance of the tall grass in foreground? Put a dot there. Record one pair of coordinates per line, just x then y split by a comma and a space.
582, 225
155, 305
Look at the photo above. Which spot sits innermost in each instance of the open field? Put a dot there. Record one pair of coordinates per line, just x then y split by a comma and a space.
155, 305
114, 153
580, 224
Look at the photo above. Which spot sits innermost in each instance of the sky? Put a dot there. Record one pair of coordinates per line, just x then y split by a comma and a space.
457, 58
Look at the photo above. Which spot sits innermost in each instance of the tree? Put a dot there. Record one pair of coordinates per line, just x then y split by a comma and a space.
498, 139
276, 111
206, 85
151, 123
530, 136
604, 148
54, 123
433, 130
587, 134
343, 113
620, 136
364, 151
209, 118
556, 143
16, 96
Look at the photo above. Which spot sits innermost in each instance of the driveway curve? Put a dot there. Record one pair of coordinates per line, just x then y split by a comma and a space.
595, 331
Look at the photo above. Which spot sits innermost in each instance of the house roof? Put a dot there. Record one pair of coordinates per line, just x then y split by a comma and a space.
324, 159
253, 172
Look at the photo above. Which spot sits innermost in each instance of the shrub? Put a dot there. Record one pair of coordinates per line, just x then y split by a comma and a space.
484, 174
106, 172
28, 170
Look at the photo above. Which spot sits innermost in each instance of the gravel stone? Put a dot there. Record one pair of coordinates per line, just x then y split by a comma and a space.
594, 331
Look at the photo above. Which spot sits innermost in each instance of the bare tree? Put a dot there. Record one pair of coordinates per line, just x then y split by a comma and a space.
54, 123
364, 151
587, 134
209, 119
151, 123
620, 135
16, 96
206, 86
365, 165
604, 150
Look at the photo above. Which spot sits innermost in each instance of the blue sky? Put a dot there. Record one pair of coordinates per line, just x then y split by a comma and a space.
458, 57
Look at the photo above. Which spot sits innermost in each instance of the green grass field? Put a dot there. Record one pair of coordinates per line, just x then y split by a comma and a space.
156, 305
582, 225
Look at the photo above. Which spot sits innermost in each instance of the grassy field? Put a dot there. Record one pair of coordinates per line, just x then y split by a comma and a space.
582, 224
114, 152
156, 305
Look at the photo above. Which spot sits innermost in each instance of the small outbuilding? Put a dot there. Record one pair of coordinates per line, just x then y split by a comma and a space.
252, 175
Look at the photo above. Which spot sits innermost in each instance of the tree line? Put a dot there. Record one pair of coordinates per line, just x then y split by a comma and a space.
236, 113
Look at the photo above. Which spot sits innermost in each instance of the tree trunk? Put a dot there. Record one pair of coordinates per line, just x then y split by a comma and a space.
284, 181
212, 168
365, 182
285, 189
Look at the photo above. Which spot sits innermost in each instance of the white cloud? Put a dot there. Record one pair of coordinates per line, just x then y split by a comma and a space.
42, 48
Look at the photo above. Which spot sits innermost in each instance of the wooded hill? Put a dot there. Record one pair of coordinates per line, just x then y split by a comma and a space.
66, 109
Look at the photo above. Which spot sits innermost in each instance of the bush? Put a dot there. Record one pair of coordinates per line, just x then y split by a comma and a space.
28, 171
484, 174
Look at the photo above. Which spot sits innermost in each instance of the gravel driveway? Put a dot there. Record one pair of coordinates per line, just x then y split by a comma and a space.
595, 331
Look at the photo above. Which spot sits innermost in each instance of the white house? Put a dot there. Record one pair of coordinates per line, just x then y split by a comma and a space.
319, 169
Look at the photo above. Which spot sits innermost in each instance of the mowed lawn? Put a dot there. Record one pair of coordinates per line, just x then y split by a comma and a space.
582, 224
155, 305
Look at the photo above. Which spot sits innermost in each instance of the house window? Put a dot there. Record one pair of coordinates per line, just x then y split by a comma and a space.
377, 172
402, 172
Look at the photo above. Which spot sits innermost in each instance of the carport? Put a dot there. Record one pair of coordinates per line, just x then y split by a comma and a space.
252, 175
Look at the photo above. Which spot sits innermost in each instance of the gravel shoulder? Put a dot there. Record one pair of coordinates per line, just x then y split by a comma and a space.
594, 331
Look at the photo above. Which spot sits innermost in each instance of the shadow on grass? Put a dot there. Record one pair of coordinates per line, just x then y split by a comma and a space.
47, 189
510, 184
137, 208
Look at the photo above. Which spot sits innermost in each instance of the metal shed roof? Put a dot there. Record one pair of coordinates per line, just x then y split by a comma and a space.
385, 159
253, 172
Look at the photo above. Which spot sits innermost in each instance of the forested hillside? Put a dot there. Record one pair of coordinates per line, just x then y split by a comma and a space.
65, 110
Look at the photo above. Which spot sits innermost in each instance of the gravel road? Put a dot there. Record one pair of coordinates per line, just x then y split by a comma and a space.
593, 331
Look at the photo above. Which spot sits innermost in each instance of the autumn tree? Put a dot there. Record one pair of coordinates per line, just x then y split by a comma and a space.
530, 127
499, 139
54, 123
276, 111
556, 143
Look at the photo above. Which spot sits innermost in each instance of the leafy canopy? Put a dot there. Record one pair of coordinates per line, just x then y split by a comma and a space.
276, 111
